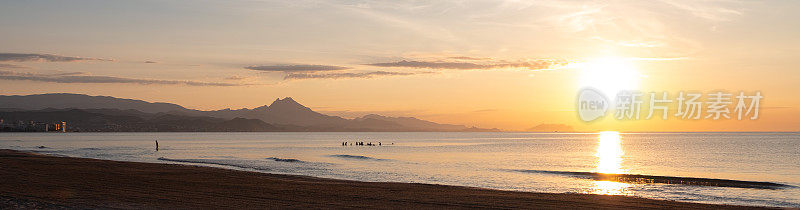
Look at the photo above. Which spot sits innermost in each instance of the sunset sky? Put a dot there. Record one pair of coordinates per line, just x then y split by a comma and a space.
493, 64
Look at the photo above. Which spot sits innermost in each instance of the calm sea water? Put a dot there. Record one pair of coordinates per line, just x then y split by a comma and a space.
508, 161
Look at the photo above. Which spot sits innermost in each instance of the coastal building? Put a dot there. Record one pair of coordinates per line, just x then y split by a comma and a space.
33, 126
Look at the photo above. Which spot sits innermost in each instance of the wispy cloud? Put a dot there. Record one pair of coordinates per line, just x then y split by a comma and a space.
395, 13
236, 77
710, 10
468, 58
23, 57
659, 59
296, 68
631, 43
532, 65
300, 76
78, 77
11, 66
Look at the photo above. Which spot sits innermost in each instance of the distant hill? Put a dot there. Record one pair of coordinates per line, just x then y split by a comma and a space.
286, 114
551, 128
110, 120
413, 123
79, 101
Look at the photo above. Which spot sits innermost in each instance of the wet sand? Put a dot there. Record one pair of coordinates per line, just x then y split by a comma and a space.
49, 182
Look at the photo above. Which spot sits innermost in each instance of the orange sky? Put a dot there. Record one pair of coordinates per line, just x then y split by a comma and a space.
505, 64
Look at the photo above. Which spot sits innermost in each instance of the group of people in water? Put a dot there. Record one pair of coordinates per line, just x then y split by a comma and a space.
361, 143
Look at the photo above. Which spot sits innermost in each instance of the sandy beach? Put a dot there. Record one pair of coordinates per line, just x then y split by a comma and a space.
49, 182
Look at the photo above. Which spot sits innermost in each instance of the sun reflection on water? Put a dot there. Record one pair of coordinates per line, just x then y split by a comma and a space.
610, 188
609, 153
609, 160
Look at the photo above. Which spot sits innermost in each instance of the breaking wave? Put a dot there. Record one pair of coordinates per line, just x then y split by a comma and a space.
357, 157
284, 159
643, 179
231, 163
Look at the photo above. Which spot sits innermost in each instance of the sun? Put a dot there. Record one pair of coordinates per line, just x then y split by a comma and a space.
609, 75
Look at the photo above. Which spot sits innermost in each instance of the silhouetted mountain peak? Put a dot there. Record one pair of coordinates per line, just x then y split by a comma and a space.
288, 99
373, 116
287, 104
285, 100
260, 108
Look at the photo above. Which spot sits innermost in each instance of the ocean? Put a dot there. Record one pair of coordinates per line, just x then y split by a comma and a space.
758, 169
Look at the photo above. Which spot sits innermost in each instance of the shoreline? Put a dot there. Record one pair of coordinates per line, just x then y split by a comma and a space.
50, 182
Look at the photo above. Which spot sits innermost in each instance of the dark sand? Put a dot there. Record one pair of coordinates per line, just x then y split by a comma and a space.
39, 181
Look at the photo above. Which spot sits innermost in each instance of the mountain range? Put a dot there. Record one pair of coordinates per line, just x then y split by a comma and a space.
104, 113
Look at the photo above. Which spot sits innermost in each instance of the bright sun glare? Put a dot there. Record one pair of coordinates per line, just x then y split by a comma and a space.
609, 153
609, 75
609, 160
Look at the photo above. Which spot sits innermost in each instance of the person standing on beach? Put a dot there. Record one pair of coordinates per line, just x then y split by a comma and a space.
156, 145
